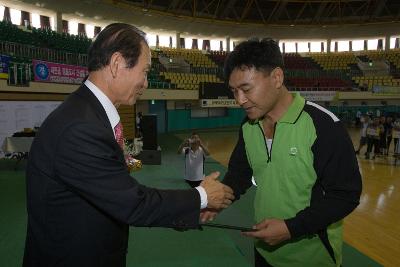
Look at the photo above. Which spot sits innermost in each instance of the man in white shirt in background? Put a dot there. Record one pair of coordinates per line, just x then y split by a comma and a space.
195, 152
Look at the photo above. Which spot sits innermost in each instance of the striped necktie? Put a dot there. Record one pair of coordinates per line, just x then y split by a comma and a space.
119, 134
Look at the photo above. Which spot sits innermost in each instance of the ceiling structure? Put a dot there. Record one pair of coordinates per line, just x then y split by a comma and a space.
279, 12
238, 19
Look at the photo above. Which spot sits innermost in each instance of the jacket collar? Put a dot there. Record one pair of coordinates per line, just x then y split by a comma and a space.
292, 114
294, 110
84, 91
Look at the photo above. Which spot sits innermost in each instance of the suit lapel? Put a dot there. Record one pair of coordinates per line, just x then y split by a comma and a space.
92, 100
101, 114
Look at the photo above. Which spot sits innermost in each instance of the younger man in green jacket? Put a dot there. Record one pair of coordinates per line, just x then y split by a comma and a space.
300, 157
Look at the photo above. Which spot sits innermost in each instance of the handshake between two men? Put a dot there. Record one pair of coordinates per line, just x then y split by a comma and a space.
219, 196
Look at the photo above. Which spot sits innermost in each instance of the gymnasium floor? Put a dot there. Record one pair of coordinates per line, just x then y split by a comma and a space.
372, 232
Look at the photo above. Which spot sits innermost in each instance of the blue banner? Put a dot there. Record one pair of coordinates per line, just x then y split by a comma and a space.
4, 63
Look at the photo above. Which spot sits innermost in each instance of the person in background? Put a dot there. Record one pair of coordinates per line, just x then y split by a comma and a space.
388, 126
396, 136
382, 136
195, 152
373, 137
81, 198
301, 158
363, 133
358, 117
378, 113
139, 132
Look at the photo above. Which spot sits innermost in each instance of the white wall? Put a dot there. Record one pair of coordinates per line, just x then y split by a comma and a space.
17, 115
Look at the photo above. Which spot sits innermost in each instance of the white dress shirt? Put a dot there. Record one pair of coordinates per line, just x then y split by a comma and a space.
111, 111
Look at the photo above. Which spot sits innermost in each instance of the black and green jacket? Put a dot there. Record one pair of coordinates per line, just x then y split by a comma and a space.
310, 179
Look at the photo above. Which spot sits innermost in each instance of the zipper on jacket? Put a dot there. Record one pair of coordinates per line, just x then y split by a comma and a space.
269, 155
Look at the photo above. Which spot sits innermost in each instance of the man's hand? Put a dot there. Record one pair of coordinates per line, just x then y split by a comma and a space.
271, 231
219, 196
207, 215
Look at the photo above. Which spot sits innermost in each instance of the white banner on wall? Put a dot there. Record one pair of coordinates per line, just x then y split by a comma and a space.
318, 95
215, 103
17, 115
308, 95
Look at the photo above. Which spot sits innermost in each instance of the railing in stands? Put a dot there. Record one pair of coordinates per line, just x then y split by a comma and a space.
30, 52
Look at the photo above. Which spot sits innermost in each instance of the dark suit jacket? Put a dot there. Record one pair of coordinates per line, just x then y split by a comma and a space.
80, 196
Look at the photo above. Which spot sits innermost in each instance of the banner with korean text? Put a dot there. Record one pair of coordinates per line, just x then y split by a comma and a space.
217, 103
319, 96
58, 73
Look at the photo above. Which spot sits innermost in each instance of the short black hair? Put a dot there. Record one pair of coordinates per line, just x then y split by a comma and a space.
263, 55
116, 37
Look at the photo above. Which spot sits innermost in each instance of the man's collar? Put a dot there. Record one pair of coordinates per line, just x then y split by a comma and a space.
294, 110
292, 113
108, 106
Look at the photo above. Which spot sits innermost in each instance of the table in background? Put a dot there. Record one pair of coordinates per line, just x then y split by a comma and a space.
18, 147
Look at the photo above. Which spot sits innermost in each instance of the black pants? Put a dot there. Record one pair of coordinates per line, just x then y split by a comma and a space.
259, 260
193, 184
372, 142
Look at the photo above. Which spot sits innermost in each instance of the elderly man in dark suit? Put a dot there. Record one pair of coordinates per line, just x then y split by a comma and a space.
80, 196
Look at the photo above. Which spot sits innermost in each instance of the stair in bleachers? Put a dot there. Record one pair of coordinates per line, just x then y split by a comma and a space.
201, 69
364, 58
355, 71
394, 71
155, 80
296, 61
193, 56
218, 57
